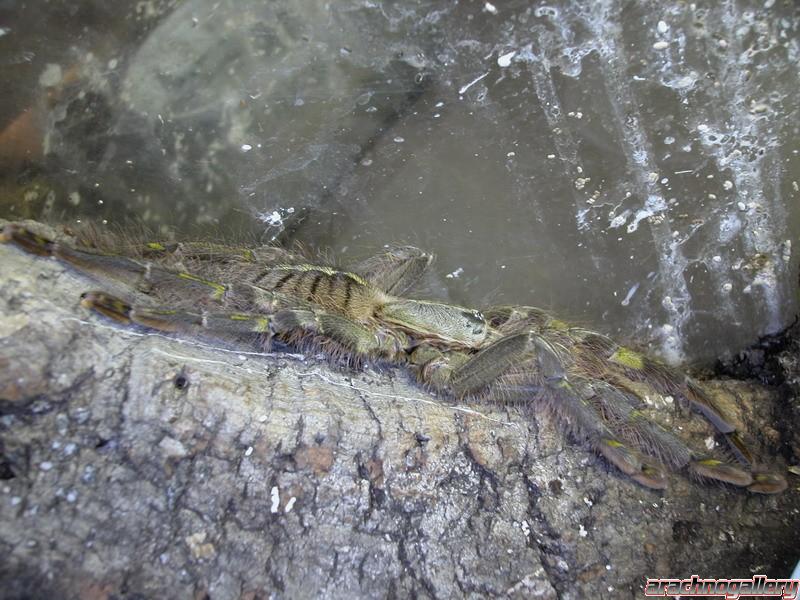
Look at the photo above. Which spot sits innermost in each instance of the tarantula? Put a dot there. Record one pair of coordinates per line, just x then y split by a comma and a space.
508, 353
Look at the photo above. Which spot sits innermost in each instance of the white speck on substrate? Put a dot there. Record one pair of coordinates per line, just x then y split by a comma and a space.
15, 500
526, 529
249, 451
246, 147
463, 89
455, 274
276, 499
505, 59
290, 504
630, 294
581, 531
551, 156
262, 419
742, 206
619, 220
72, 496
439, 104
587, 502
727, 287
669, 140
399, 140
727, 184
490, 8
662, 27
4, 31
710, 443
511, 154
662, 45
786, 250
581, 182
46, 465
273, 219
717, 258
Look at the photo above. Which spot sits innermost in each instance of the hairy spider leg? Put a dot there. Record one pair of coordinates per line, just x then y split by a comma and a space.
612, 369
268, 314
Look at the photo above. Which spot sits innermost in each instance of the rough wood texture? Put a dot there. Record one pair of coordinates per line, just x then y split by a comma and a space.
135, 465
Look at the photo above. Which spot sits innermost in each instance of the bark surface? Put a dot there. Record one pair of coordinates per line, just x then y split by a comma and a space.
135, 465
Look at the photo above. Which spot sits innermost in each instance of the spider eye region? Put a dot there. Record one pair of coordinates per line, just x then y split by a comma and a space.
475, 321
473, 316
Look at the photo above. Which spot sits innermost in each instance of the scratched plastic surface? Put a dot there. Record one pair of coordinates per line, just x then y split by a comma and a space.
632, 166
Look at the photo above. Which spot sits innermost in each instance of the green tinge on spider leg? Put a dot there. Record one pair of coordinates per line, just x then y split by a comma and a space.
633, 425
236, 323
768, 483
711, 468
26, 240
628, 358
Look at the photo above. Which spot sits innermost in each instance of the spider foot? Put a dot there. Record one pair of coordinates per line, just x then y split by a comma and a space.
26, 240
641, 469
107, 305
767, 483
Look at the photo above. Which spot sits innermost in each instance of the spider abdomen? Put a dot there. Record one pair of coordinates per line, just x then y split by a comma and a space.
342, 292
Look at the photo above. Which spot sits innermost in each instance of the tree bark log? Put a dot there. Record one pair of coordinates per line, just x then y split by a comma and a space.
138, 465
